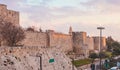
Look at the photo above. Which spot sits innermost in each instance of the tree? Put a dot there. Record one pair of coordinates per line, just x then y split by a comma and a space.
113, 46
103, 55
30, 29
93, 56
109, 42
11, 34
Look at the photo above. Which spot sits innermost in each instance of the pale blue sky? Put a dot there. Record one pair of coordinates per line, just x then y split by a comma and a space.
82, 15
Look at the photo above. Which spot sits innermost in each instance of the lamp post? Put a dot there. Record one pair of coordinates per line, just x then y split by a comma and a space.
72, 61
72, 64
100, 28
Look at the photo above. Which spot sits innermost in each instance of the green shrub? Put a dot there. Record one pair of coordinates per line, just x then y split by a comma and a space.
81, 62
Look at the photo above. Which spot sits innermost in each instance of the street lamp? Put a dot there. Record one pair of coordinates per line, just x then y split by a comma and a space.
100, 28
72, 60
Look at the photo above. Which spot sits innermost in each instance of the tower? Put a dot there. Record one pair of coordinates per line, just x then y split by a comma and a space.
70, 30
7, 15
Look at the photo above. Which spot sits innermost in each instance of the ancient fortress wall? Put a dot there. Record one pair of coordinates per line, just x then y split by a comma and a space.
62, 41
90, 43
48, 39
104, 42
97, 43
35, 39
79, 40
9, 15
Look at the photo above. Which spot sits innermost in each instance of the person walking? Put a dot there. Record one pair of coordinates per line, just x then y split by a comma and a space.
92, 66
118, 64
106, 64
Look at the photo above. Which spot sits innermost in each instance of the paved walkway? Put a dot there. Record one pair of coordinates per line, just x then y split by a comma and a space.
87, 67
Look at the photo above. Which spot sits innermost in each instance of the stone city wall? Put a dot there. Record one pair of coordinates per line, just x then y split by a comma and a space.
62, 41
79, 40
46, 39
104, 43
9, 15
35, 39
97, 43
90, 43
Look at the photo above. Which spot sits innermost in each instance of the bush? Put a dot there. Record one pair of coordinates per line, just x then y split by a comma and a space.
81, 62
93, 56
103, 55
11, 34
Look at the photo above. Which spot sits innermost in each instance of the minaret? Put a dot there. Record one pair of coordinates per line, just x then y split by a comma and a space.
40, 30
70, 31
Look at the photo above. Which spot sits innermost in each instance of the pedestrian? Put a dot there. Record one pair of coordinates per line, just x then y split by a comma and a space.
106, 64
118, 64
92, 66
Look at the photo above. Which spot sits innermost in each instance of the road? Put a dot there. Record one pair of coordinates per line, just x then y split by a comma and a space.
87, 67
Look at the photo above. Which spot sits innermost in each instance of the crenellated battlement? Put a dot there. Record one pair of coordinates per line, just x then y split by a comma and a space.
3, 6
77, 41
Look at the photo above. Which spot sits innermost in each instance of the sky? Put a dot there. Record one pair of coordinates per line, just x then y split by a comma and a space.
59, 15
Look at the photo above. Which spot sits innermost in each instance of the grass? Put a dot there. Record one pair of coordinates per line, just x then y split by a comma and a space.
109, 54
82, 62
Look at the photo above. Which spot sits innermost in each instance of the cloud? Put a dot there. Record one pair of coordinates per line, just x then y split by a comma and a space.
14, 4
103, 6
82, 15
114, 2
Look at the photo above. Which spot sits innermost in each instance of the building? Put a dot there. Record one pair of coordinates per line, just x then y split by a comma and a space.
9, 15
78, 42
90, 43
50, 38
97, 43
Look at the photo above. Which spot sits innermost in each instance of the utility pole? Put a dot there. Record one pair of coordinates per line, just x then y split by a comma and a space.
100, 28
72, 64
72, 57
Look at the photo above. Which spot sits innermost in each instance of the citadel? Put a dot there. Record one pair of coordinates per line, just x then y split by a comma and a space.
41, 46
79, 42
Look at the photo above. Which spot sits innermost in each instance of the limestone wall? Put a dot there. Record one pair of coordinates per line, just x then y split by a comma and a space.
90, 43
35, 39
97, 43
13, 17
79, 40
9, 15
26, 58
59, 40
104, 43
63, 41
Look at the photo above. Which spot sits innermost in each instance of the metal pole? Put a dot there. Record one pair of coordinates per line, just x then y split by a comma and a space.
100, 45
72, 64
